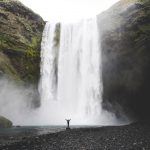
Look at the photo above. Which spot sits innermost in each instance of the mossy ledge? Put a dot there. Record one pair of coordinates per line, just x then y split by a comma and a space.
20, 38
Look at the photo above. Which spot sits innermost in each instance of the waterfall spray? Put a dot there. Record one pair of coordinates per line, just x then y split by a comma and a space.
71, 73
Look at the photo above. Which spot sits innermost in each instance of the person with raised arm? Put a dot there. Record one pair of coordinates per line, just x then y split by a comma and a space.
68, 121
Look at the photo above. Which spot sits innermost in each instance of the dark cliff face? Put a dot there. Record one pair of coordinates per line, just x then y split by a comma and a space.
20, 38
126, 57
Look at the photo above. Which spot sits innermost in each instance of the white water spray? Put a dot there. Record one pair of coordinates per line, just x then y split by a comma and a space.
71, 83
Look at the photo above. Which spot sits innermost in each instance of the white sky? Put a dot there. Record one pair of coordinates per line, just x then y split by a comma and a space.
68, 10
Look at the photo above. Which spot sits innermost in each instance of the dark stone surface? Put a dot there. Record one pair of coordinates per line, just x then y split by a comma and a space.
130, 137
126, 58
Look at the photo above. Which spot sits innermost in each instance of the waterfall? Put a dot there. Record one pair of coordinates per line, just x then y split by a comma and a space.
71, 82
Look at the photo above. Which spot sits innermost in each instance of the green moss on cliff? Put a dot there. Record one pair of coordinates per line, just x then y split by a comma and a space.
20, 38
5, 123
7, 68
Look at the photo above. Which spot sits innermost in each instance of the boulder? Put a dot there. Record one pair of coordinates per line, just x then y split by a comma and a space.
5, 123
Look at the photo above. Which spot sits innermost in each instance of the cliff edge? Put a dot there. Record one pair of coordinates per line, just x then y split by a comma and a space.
20, 38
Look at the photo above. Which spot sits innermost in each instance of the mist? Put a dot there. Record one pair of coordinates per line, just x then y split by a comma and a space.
18, 102
79, 90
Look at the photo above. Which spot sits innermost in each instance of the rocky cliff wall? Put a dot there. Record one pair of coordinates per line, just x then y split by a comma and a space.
126, 57
20, 38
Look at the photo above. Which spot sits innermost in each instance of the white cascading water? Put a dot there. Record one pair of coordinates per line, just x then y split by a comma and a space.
71, 83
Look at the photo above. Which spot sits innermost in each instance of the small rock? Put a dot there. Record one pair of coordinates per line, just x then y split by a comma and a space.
134, 143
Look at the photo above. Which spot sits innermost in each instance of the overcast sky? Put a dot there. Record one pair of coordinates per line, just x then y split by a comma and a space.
68, 10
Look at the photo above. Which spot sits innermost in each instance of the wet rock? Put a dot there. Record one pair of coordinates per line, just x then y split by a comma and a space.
5, 123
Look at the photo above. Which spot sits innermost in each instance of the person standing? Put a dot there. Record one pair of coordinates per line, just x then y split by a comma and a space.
68, 121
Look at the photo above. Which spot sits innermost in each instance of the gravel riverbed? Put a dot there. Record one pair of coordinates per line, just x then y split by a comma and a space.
129, 137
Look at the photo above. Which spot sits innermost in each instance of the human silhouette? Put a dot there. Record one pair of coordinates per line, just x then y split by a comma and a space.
68, 121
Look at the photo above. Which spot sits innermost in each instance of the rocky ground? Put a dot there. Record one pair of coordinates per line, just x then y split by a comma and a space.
130, 137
